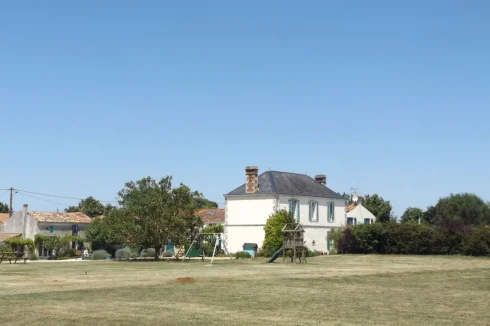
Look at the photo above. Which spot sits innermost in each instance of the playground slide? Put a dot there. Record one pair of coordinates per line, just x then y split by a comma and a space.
275, 255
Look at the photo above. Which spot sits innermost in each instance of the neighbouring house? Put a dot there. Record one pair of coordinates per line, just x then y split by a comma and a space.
212, 216
31, 223
359, 215
6, 236
314, 205
3, 217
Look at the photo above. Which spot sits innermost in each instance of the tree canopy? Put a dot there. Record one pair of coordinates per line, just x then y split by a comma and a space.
465, 207
4, 208
90, 207
201, 203
378, 206
273, 227
162, 213
413, 215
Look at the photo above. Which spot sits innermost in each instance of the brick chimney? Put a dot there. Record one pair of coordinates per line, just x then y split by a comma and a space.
321, 179
251, 179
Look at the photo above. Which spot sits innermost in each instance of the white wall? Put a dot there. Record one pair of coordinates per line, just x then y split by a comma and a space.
15, 224
245, 218
317, 230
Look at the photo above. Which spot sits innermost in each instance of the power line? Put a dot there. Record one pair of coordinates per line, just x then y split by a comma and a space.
64, 197
49, 201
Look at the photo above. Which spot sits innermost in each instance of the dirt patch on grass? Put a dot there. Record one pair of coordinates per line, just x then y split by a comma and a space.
186, 280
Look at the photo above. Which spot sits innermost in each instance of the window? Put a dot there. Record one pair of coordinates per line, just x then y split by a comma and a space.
294, 208
368, 221
351, 221
331, 211
313, 211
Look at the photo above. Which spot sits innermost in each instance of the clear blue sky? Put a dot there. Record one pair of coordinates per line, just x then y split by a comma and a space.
391, 97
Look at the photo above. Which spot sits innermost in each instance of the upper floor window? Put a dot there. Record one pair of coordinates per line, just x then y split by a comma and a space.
313, 211
351, 221
294, 208
331, 211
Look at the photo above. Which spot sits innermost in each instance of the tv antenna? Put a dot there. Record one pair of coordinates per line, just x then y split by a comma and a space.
355, 196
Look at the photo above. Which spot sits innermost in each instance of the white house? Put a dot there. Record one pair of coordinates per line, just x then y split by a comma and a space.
360, 215
247, 208
29, 223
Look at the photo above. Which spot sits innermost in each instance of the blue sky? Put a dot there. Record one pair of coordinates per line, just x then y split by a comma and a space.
387, 96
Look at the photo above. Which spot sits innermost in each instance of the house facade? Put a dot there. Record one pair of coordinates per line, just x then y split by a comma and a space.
247, 208
359, 215
31, 223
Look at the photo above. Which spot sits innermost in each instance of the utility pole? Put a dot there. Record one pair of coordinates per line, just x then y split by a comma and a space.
11, 198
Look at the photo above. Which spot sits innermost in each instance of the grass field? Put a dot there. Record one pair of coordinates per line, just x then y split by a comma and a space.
335, 290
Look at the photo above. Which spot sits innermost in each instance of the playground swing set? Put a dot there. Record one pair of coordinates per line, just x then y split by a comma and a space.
197, 249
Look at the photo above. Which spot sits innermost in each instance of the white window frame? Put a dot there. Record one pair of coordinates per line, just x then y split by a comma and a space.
296, 213
314, 211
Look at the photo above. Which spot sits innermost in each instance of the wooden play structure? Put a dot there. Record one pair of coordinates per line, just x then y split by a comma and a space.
293, 238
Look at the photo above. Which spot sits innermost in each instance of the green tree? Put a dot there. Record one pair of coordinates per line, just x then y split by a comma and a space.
412, 215
117, 228
72, 209
88, 206
4, 208
273, 227
465, 207
430, 215
163, 213
379, 207
201, 203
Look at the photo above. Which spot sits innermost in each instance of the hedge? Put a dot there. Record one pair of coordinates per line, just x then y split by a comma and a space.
453, 238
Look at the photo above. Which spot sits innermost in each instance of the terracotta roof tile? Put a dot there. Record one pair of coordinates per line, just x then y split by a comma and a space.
5, 236
3, 217
212, 215
58, 217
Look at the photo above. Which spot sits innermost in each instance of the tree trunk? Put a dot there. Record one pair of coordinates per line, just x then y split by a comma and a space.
157, 253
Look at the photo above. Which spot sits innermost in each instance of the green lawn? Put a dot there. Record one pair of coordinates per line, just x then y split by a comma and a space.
335, 290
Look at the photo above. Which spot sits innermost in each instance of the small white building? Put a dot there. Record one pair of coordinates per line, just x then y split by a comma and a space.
359, 215
314, 205
30, 223
212, 216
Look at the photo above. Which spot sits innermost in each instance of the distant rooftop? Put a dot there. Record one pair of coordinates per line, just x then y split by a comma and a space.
60, 217
212, 215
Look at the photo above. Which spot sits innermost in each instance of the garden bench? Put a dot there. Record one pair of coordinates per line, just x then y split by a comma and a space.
18, 255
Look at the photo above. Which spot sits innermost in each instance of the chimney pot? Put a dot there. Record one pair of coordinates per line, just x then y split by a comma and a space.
251, 179
321, 178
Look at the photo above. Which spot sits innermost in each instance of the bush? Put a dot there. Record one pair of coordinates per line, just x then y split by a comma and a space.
99, 255
453, 238
242, 255
33, 255
150, 252
4, 248
167, 254
125, 253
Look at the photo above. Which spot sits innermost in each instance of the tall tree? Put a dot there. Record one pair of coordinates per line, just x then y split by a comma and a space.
88, 206
379, 207
430, 215
273, 227
201, 203
413, 215
163, 213
465, 207
4, 208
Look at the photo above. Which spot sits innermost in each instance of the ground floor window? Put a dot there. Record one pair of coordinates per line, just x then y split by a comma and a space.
368, 221
351, 221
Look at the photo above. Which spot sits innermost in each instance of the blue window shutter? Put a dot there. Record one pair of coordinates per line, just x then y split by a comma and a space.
297, 208
310, 211
290, 206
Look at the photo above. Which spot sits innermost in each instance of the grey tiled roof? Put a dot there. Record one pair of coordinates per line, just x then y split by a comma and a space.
284, 183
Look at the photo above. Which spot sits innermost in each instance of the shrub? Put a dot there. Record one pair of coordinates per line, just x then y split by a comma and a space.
242, 255
453, 238
100, 254
167, 254
150, 252
125, 253
33, 255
